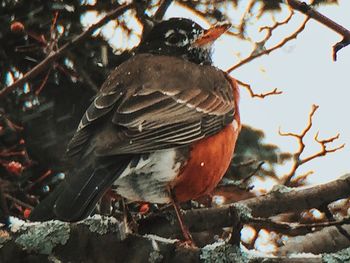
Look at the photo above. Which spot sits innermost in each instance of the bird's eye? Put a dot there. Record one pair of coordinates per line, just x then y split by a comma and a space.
176, 39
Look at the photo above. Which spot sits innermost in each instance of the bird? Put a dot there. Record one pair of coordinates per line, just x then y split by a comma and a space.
162, 128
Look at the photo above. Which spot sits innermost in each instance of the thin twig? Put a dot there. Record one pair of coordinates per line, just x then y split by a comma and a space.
271, 29
241, 27
298, 161
44, 64
38, 180
258, 167
255, 55
21, 203
11, 124
163, 6
338, 46
261, 95
286, 227
43, 82
52, 45
245, 163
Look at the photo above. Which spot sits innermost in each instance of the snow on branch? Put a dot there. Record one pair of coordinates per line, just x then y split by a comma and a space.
104, 239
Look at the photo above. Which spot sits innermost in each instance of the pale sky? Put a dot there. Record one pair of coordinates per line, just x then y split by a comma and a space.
306, 74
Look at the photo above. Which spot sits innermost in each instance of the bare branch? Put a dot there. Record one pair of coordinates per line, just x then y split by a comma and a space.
43, 82
163, 6
56, 241
338, 46
270, 29
326, 240
261, 95
324, 150
242, 26
298, 161
287, 227
258, 167
255, 55
312, 13
17, 201
276, 202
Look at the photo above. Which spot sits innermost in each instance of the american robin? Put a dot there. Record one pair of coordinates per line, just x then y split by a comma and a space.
162, 128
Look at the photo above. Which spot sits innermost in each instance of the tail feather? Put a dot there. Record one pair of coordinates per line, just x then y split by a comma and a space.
76, 197
43, 211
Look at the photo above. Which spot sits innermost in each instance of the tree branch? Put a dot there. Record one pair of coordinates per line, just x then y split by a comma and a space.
255, 55
56, 241
327, 240
261, 95
53, 56
59, 240
163, 6
276, 202
291, 228
312, 13
298, 161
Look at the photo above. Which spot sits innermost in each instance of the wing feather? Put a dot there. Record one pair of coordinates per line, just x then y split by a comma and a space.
161, 102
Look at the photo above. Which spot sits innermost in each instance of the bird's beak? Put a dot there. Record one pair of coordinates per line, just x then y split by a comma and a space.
211, 34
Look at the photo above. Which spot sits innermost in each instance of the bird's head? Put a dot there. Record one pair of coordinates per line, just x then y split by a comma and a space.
184, 38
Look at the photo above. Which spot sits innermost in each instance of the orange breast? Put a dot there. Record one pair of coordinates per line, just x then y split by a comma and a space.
208, 162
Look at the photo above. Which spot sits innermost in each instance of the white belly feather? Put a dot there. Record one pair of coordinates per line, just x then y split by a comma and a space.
148, 179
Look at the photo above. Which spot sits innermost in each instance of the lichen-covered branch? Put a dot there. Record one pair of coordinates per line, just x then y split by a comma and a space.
95, 239
99, 239
103, 239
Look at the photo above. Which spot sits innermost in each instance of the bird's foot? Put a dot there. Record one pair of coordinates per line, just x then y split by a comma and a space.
186, 244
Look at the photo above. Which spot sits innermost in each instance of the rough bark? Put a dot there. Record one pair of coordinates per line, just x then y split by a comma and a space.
327, 240
103, 239
281, 200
